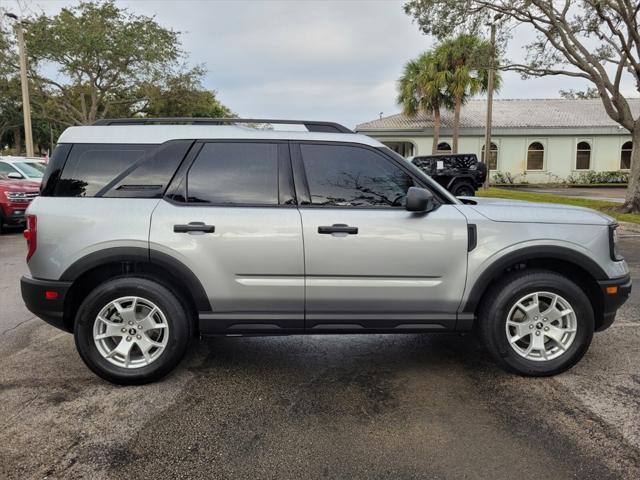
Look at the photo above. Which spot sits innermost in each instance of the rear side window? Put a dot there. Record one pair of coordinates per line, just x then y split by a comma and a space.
349, 176
90, 167
234, 173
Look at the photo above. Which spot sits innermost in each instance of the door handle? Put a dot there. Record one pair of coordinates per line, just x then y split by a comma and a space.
339, 228
194, 227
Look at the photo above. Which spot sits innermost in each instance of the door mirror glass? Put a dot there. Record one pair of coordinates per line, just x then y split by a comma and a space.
419, 200
15, 175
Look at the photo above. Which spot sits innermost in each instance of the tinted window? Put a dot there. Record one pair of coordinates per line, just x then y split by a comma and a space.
235, 173
349, 176
90, 167
150, 177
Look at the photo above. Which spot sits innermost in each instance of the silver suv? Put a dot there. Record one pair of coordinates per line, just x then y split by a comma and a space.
150, 232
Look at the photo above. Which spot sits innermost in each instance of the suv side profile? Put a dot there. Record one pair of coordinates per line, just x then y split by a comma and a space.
150, 232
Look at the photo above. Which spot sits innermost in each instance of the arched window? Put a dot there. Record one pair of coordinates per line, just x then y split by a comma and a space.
444, 147
583, 156
625, 156
493, 157
535, 156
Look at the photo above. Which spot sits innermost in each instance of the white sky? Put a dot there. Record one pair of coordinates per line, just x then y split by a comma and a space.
310, 59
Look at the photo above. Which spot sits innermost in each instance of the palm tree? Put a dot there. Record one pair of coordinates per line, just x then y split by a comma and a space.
422, 88
465, 60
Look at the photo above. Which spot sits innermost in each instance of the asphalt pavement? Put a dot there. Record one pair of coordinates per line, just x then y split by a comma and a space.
347, 407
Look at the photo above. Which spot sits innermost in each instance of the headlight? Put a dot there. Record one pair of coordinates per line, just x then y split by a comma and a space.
15, 195
613, 243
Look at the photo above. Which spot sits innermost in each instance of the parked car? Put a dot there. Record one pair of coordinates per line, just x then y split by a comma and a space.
460, 173
17, 168
15, 197
149, 233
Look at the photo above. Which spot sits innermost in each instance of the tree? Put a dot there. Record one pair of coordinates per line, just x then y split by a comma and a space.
103, 55
465, 60
182, 95
593, 40
421, 88
571, 94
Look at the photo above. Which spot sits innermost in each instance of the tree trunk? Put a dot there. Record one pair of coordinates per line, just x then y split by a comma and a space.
436, 129
17, 138
456, 125
632, 199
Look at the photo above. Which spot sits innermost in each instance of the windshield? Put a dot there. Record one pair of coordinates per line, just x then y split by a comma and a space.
32, 169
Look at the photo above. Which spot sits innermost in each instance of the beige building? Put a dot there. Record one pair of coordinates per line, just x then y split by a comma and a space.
539, 140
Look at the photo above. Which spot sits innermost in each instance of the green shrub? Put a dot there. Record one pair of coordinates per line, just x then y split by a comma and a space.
591, 177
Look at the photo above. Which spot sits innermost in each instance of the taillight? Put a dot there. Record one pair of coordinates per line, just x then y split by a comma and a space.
31, 235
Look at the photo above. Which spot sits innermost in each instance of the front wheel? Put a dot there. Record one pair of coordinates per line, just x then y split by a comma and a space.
131, 330
536, 322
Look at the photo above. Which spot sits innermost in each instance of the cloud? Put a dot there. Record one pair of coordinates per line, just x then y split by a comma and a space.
311, 59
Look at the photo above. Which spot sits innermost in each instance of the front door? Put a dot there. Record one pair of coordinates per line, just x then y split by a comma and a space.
370, 264
232, 220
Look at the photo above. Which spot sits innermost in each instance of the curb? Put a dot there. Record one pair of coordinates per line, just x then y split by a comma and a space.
629, 227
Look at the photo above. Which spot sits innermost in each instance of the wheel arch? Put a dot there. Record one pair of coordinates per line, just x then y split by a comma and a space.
98, 267
576, 266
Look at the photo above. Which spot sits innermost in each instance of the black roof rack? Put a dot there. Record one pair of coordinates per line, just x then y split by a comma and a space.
311, 125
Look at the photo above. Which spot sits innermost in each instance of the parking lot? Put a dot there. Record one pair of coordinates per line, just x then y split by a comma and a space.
379, 406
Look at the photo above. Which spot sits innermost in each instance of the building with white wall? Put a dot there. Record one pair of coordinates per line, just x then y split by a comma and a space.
541, 140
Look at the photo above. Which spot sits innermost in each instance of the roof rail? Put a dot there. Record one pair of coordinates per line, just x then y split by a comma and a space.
311, 125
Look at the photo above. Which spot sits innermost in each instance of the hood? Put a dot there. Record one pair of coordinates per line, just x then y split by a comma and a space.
19, 185
520, 211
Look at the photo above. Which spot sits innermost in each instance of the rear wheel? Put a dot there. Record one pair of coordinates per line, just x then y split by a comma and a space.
536, 322
463, 189
131, 330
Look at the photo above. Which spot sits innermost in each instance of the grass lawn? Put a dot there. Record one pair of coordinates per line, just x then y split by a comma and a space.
606, 207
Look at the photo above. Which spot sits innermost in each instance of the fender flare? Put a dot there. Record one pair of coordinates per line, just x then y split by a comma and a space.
494, 270
182, 274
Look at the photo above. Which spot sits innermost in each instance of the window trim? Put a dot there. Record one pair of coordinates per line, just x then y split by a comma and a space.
178, 185
531, 141
589, 142
495, 142
300, 178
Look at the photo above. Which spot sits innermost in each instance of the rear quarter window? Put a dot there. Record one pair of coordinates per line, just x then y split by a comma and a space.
90, 167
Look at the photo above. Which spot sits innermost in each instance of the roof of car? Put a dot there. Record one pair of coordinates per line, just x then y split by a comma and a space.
156, 134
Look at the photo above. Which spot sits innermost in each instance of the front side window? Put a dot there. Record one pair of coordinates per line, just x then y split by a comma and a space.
583, 156
535, 156
229, 173
625, 156
350, 176
6, 169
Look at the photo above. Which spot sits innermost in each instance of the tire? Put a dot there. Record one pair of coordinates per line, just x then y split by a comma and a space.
501, 304
163, 333
463, 188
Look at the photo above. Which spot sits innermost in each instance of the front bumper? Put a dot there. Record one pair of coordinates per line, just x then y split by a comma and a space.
611, 301
14, 214
51, 310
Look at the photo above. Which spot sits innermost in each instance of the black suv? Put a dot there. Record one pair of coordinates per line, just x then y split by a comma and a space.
460, 173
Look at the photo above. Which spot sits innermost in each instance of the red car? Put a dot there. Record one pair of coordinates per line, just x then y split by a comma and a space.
15, 197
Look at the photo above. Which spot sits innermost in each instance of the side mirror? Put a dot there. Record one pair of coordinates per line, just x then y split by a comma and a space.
15, 175
419, 200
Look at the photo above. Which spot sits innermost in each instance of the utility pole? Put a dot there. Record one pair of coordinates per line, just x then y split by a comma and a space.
490, 80
24, 83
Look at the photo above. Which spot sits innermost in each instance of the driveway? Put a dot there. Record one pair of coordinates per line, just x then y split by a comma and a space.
609, 194
379, 406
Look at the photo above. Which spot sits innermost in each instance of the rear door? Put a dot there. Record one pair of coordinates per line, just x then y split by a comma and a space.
370, 264
230, 216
